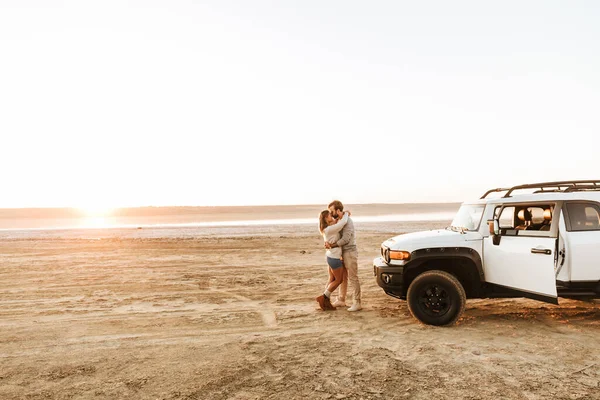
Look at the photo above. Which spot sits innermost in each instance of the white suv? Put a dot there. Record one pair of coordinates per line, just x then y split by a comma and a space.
539, 241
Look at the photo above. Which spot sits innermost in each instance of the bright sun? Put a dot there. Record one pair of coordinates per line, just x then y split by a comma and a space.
96, 211
95, 216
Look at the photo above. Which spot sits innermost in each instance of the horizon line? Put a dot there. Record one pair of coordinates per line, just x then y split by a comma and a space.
224, 206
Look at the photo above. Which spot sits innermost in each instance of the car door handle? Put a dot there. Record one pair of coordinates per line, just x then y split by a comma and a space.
541, 251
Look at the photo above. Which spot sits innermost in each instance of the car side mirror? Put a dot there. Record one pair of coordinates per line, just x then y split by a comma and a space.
494, 227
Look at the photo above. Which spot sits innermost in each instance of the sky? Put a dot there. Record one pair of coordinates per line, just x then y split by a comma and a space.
139, 103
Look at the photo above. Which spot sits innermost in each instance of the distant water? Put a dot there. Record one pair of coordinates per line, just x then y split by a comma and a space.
98, 229
302, 221
99, 223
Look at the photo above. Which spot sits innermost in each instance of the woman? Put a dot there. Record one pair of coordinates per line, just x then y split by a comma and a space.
330, 229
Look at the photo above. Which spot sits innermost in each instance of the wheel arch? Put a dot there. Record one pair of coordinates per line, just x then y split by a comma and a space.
464, 263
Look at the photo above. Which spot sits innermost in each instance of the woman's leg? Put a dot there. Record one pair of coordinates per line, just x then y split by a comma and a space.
324, 300
341, 291
335, 278
338, 275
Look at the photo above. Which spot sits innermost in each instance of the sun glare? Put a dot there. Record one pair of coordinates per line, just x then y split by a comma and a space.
95, 216
96, 211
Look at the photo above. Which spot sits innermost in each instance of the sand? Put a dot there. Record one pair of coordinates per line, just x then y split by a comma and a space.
230, 314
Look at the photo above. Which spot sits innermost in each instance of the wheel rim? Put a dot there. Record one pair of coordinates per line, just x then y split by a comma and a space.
434, 300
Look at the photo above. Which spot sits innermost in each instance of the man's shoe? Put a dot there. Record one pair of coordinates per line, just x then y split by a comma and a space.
321, 301
328, 305
339, 303
355, 307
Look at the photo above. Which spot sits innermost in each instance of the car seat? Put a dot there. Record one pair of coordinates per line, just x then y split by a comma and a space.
547, 220
524, 216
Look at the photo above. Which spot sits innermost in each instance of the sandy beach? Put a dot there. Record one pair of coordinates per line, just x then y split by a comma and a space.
165, 165
230, 314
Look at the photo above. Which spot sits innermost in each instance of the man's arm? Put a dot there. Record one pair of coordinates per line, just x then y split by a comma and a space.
347, 233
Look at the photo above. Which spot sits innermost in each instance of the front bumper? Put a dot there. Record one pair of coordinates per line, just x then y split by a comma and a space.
389, 278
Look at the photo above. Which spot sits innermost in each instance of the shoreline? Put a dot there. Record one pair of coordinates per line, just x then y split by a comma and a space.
249, 223
224, 231
45, 219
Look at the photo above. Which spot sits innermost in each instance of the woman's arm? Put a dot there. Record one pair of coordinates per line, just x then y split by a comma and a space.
335, 228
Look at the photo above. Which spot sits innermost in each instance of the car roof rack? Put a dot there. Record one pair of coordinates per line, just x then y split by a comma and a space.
494, 191
551, 187
582, 188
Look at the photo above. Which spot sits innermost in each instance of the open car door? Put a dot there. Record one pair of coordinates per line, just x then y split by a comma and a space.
523, 259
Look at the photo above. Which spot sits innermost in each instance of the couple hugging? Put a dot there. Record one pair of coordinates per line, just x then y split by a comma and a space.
342, 257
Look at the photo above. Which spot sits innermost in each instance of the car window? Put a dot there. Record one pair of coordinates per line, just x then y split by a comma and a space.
468, 216
583, 216
526, 219
507, 218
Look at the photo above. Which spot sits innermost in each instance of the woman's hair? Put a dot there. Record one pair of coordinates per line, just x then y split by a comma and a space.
322, 220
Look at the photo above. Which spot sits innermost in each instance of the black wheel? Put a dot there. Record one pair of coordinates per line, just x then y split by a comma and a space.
436, 298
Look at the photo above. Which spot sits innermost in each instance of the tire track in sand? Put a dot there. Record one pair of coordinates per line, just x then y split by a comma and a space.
267, 314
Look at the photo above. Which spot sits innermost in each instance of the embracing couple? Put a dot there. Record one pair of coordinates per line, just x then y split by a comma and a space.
337, 229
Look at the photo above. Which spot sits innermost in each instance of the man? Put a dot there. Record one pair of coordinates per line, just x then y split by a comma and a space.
350, 255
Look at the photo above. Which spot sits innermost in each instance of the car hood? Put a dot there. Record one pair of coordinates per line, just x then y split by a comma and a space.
429, 239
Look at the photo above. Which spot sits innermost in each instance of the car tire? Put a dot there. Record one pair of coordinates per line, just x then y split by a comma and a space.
436, 298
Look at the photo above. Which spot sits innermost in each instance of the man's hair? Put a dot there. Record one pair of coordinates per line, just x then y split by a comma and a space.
337, 205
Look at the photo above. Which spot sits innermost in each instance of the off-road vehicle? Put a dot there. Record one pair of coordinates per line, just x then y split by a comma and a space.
539, 241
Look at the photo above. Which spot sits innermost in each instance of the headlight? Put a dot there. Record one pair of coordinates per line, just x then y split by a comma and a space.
399, 255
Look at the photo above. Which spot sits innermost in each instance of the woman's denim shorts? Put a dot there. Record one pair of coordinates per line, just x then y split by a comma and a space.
335, 263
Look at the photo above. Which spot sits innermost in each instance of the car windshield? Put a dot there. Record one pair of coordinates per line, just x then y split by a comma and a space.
468, 217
